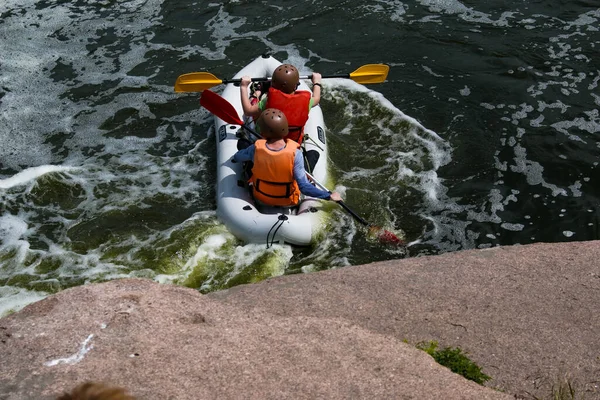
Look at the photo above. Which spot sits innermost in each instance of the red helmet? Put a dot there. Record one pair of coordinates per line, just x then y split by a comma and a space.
273, 124
285, 78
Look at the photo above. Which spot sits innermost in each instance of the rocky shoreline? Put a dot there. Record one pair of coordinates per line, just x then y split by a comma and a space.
528, 315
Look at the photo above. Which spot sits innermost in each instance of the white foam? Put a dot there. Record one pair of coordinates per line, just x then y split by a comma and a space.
13, 299
533, 171
512, 227
245, 255
209, 249
588, 19
60, 40
392, 9
11, 228
466, 13
30, 174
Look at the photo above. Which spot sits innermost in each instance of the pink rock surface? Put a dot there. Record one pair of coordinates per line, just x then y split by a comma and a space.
526, 314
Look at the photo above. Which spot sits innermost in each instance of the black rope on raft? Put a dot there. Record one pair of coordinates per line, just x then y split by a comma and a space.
280, 220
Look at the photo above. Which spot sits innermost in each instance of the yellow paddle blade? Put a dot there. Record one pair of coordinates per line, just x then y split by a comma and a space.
370, 73
196, 82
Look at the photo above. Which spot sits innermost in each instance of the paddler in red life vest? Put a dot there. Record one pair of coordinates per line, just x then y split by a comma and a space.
278, 174
282, 95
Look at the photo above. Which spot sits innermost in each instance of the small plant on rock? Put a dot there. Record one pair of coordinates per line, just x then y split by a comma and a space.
564, 388
455, 360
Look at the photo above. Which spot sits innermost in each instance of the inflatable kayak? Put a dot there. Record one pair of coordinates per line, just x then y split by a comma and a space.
252, 223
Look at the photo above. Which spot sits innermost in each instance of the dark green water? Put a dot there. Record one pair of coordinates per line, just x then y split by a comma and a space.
484, 134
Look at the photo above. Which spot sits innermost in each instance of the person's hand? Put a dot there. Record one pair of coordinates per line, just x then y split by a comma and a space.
316, 77
246, 80
335, 196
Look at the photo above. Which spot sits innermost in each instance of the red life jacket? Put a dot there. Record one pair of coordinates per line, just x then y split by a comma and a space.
295, 106
273, 175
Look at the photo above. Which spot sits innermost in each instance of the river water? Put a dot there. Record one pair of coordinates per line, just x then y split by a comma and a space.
484, 134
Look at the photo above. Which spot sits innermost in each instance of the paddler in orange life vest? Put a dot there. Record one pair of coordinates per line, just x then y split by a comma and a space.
282, 95
278, 174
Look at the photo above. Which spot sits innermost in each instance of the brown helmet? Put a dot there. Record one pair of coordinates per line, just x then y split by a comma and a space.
273, 124
285, 78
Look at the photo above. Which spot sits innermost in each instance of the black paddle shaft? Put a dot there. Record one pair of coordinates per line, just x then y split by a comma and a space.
268, 79
355, 215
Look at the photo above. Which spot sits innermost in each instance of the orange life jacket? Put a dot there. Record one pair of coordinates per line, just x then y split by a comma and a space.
295, 106
273, 175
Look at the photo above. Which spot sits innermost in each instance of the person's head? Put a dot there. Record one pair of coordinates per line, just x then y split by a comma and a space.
285, 78
96, 391
273, 124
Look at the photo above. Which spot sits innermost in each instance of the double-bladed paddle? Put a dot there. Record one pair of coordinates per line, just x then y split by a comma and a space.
200, 81
223, 109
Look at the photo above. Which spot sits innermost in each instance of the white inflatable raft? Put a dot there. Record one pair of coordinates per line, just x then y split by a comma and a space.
300, 225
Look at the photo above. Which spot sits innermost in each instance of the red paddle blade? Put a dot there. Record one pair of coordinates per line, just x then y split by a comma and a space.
385, 236
220, 107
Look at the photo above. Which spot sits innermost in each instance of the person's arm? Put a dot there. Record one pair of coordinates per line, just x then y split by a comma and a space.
316, 89
246, 154
249, 109
305, 186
